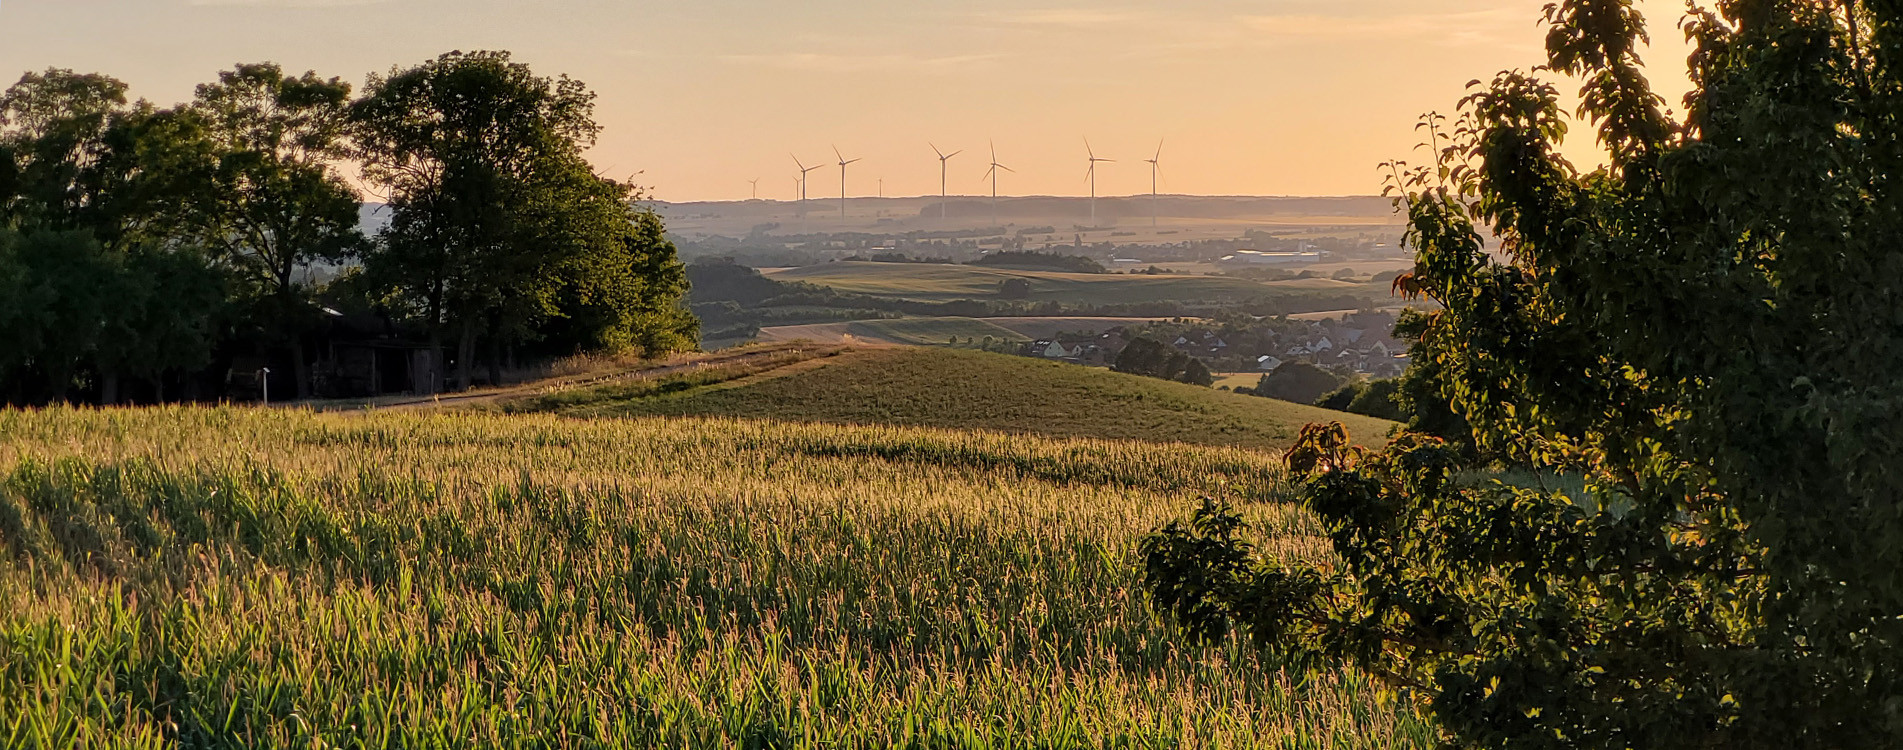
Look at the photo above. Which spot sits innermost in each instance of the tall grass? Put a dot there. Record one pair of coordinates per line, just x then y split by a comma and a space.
243, 578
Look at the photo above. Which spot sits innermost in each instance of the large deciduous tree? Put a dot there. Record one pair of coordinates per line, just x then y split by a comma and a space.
95, 197
1680, 519
498, 223
279, 204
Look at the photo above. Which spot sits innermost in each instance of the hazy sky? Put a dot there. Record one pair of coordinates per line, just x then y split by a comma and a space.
700, 96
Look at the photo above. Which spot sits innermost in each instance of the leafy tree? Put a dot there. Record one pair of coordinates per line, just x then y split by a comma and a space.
279, 204
1340, 398
498, 223
1197, 373
1014, 288
1375, 398
1701, 339
54, 127
1301, 382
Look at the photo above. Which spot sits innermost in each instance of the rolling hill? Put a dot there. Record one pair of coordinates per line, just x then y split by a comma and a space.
964, 389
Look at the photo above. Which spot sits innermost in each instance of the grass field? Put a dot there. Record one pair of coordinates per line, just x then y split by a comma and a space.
963, 389
1236, 380
937, 331
922, 281
930, 331
228, 578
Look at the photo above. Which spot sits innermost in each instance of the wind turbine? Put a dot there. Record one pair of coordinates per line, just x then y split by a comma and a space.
992, 174
843, 161
1092, 174
755, 182
1156, 165
942, 158
803, 170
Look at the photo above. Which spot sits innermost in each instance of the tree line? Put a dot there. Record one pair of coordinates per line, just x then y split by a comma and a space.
141, 244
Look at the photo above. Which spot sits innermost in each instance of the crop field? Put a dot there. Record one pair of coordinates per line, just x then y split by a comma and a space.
923, 281
253, 578
965, 389
932, 330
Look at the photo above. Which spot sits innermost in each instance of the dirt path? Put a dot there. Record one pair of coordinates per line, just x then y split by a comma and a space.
644, 371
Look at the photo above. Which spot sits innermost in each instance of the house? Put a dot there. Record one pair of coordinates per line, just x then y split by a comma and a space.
1267, 362
1055, 350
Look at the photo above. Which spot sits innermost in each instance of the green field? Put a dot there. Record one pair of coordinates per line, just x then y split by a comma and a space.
965, 389
923, 281
931, 331
225, 578
1236, 380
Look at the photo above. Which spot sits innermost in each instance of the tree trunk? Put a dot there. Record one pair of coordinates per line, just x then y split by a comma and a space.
495, 351
435, 374
465, 352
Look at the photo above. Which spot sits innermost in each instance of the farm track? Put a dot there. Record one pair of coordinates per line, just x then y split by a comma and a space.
644, 371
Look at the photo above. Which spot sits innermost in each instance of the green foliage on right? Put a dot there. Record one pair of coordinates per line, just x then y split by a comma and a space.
1699, 341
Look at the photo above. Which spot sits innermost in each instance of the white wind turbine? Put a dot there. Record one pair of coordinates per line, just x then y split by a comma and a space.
755, 182
1156, 165
803, 170
1092, 175
992, 174
843, 161
942, 159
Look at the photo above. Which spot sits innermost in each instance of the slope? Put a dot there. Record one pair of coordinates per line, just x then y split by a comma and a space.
963, 389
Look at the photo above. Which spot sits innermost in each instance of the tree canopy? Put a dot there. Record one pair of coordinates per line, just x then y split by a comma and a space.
498, 223
1678, 522
153, 243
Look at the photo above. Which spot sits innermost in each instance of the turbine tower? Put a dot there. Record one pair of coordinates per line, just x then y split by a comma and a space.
1156, 165
1092, 175
843, 161
803, 170
992, 173
942, 158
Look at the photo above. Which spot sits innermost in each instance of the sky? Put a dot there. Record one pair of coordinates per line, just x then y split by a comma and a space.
698, 98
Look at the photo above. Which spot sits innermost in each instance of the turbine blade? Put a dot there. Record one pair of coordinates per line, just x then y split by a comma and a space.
836, 153
954, 153
941, 154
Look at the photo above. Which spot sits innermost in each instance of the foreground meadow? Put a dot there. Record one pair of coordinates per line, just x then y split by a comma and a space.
246, 578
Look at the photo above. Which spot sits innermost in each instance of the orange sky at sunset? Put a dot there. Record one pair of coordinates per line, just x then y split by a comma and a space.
1268, 97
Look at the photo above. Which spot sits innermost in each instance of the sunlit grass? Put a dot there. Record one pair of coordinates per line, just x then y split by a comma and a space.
242, 578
